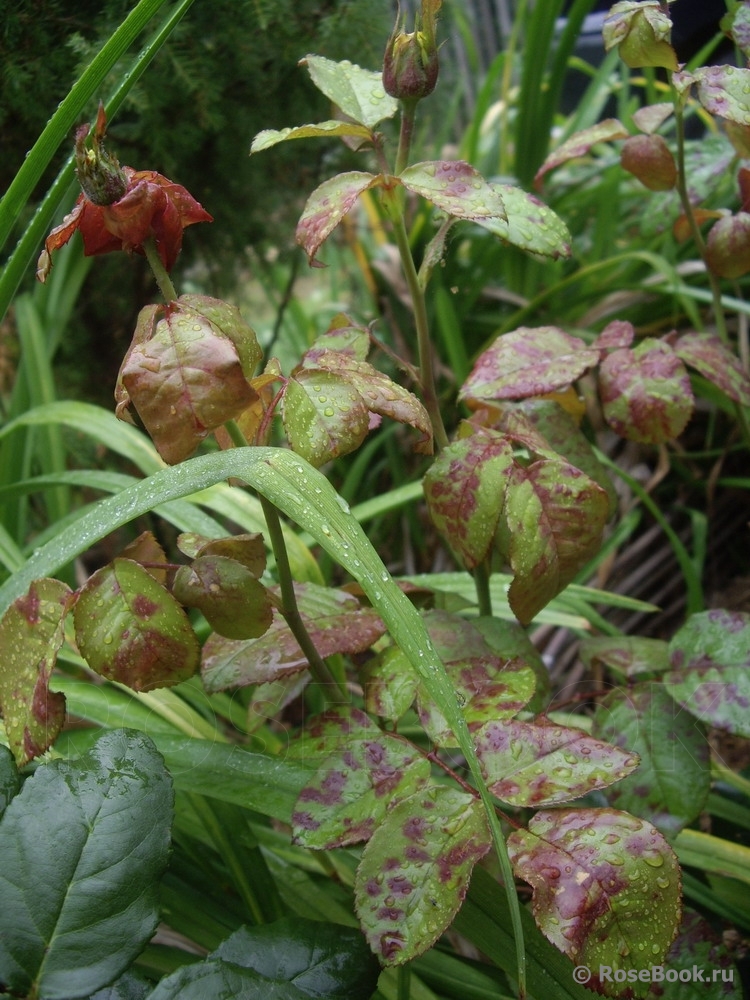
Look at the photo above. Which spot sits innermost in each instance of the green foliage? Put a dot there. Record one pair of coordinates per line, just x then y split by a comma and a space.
347, 764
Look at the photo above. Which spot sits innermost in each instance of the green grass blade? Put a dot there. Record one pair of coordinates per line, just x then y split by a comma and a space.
305, 495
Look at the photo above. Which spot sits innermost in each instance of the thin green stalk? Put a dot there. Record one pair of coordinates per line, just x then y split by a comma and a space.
482, 583
404, 982
223, 843
159, 271
408, 117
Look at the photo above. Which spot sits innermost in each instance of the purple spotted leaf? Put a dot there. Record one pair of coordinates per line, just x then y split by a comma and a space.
510, 640
228, 594
531, 225
580, 144
334, 620
456, 188
464, 489
530, 361
247, 549
146, 550
645, 392
31, 634
606, 887
271, 136
358, 92
723, 91
327, 206
332, 732
698, 946
130, 629
671, 786
618, 333
491, 672
539, 763
380, 395
186, 372
324, 415
561, 436
713, 359
415, 871
737, 24
342, 336
390, 684
628, 656
553, 521
350, 793
710, 676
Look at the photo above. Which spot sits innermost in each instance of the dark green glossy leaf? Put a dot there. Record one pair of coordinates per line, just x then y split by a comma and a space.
698, 946
9, 779
334, 620
415, 871
606, 887
290, 959
464, 488
710, 657
130, 629
358, 92
456, 188
529, 361
671, 786
128, 987
31, 633
542, 764
233, 601
83, 846
353, 789
645, 392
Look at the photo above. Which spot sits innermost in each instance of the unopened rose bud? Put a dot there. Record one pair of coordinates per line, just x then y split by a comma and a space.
410, 64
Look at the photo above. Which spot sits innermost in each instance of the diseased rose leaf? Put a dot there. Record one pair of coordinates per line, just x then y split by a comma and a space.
490, 679
343, 337
645, 392
642, 31
697, 945
539, 763
271, 136
606, 887
710, 676
358, 92
327, 206
464, 489
331, 732
148, 552
184, 376
651, 117
649, 159
234, 603
130, 629
334, 620
31, 634
350, 793
247, 549
531, 225
723, 91
380, 394
529, 361
618, 333
228, 320
580, 144
510, 640
415, 871
390, 684
456, 188
728, 246
630, 656
324, 415
671, 786
553, 521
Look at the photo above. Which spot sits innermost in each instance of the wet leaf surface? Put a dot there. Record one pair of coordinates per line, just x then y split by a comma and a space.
324, 415
671, 785
710, 657
327, 206
629, 656
334, 620
84, 845
606, 887
456, 188
415, 871
531, 225
358, 92
580, 144
723, 90
271, 136
31, 634
234, 603
698, 946
540, 764
130, 629
349, 795
645, 392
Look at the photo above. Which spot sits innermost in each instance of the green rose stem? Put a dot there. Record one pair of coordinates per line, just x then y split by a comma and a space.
163, 280
289, 608
700, 243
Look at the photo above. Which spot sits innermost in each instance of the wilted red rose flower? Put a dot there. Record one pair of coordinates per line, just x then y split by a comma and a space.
120, 208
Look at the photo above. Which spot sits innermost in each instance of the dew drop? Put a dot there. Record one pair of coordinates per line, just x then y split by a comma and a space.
653, 858
663, 883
